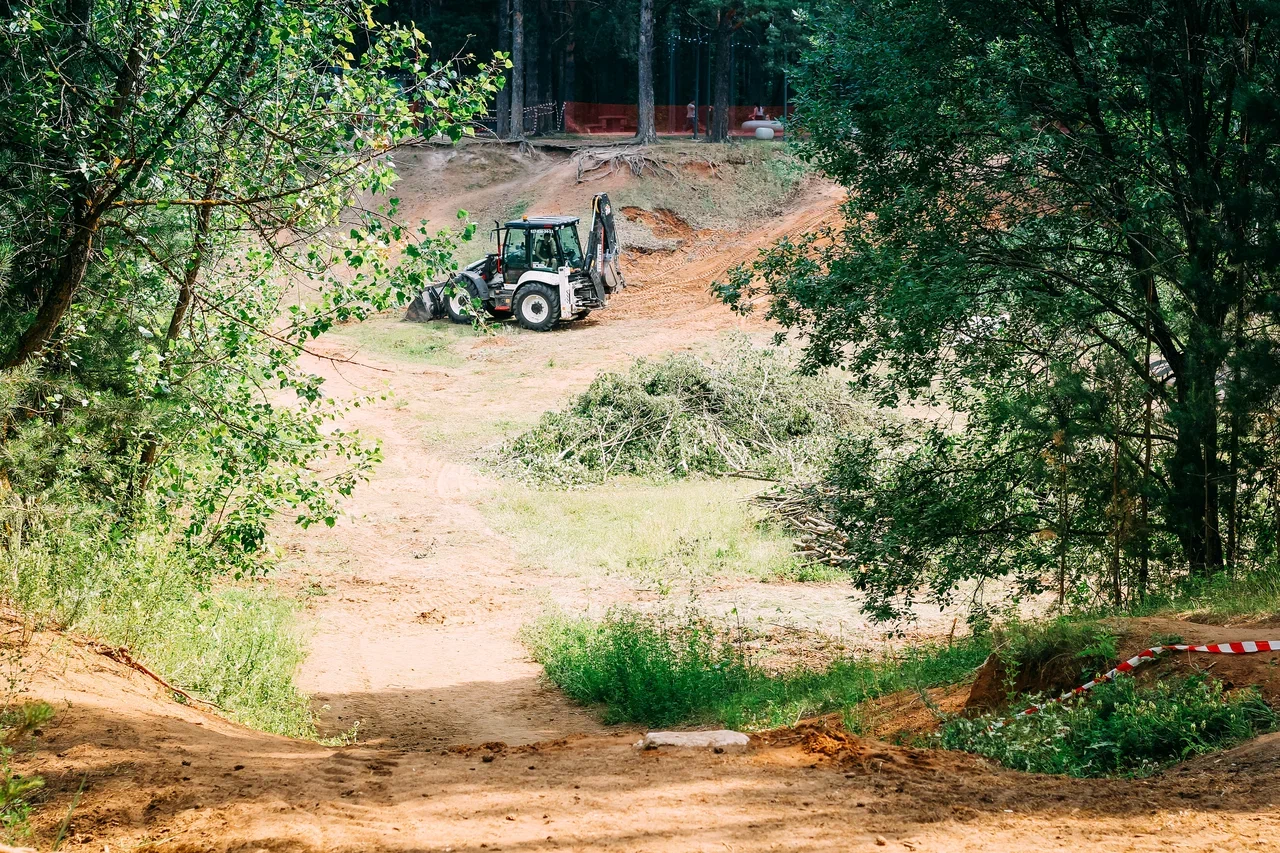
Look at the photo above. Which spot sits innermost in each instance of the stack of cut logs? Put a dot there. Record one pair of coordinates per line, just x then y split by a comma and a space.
806, 510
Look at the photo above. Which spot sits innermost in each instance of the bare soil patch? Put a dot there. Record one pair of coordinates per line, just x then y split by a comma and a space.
149, 772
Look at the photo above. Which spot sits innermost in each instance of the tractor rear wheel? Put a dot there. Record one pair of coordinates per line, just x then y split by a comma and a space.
458, 304
537, 306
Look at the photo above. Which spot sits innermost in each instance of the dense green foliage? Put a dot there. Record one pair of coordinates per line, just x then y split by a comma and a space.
1121, 728
171, 181
1061, 227
670, 670
745, 412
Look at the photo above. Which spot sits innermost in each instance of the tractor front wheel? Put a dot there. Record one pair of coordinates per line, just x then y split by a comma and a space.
458, 304
537, 306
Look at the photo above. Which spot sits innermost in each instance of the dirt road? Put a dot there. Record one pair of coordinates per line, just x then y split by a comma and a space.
416, 635
139, 772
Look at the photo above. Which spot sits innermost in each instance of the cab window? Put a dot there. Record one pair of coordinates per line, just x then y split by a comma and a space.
542, 250
513, 252
570, 246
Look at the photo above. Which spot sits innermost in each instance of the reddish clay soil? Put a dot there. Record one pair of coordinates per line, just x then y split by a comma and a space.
464, 748
152, 774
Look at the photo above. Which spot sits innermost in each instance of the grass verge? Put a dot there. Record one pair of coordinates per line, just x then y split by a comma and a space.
1255, 593
676, 669
682, 669
234, 644
414, 343
661, 536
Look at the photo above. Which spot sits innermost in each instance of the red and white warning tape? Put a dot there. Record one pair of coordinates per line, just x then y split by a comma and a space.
1146, 655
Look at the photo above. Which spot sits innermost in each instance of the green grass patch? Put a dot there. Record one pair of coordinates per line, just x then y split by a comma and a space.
1253, 593
659, 535
417, 343
666, 670
233, 643
19, 721
1119, 728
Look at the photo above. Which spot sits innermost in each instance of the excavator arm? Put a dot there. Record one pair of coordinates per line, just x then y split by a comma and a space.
603, 250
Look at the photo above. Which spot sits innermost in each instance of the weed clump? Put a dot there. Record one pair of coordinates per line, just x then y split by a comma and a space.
1119, 728
18, 721
749, 412
640, 668
663, 670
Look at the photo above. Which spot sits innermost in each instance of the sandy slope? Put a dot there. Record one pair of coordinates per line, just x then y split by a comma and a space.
155, 775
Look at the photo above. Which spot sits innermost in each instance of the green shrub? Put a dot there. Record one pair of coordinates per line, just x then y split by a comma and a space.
654, 670
663, 670
1118, 728
748, 411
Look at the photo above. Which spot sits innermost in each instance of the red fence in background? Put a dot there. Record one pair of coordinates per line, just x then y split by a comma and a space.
580, 117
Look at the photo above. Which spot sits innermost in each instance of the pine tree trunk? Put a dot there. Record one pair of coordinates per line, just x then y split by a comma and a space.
1144, 564
1064, 521
1193, 468
724, 72
569, 91
516, 131
532, 77
504, 95
546, 79
1118, 506
645, 131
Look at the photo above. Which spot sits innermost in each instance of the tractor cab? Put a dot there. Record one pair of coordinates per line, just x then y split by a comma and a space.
545, 243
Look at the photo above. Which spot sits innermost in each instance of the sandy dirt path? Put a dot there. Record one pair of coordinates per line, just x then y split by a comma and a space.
136, 771
417, 642
415, 639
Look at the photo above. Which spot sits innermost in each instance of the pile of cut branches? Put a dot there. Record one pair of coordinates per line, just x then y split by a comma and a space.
807, 510
746, 414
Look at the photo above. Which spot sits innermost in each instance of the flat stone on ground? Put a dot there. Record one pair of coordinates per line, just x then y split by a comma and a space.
720, 738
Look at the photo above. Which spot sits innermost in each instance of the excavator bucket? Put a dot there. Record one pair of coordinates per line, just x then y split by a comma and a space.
603, 249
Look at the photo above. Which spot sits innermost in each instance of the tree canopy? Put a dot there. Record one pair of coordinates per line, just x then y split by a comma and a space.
169, 173
1060, 233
